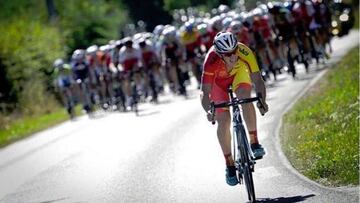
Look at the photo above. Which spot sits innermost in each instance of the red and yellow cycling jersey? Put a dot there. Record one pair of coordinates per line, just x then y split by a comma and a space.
191, 40
262, 26
216, 74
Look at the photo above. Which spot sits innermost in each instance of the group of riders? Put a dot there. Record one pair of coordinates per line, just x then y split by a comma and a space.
141, 67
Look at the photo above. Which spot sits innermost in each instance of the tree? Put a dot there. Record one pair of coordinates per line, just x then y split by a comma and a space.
151, 12
90, 22
51, 10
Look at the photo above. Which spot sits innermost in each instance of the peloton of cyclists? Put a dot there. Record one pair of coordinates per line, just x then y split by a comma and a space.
279, 33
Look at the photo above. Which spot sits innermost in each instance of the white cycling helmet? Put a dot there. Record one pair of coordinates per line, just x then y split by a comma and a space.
158, 30
58, 63
169, 33
92, 49
216, 23
105, 48
225, 42
78, 54
235, 26
226, 22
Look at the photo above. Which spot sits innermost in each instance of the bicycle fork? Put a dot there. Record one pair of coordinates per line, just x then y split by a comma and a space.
239, 136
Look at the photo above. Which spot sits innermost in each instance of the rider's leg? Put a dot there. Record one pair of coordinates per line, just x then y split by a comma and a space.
323, 41
307, 46
152, 83
224, 136
139, 81
173, 76
83, 95
223, 132
249, 113
250, 119
110, 91
262, 56
272, 56
65, 98
126, 87
294, 47
159, 76
181, 77
282, 51
103, 96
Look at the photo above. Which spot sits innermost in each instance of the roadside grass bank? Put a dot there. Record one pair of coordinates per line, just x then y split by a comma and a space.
356, 13
14, 129
320, 134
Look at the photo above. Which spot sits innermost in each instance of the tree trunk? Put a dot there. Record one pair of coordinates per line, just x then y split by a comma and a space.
52, 14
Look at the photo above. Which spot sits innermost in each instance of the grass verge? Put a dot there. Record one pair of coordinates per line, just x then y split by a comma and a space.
23, 127
320, 135
356, 14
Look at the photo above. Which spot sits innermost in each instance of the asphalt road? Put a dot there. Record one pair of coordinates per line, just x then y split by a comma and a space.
169, 153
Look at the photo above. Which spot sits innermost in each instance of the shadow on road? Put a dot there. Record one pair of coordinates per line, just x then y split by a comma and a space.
285, 199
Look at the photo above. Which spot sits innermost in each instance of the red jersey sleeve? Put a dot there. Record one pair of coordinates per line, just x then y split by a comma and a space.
208, 73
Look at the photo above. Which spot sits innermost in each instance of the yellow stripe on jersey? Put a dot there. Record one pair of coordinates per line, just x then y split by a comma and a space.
208, 73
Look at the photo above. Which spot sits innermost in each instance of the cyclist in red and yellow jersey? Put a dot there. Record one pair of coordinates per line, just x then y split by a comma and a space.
229, 62
190, 38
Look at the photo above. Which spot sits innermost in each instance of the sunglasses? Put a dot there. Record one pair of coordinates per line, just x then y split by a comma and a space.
229, 54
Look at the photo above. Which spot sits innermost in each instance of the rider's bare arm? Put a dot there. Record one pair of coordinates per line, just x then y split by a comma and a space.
205, 96
205, 100
260, 88
255, 74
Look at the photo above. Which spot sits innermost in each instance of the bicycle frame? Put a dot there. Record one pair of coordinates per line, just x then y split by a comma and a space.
85, 94
239, 133
243, 155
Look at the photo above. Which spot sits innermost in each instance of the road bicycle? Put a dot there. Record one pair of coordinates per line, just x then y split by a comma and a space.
176, 76
242, 153
137, 91
135, 95
85, 95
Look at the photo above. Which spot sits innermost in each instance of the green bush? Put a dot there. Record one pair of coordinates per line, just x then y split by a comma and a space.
27, 51
29, 44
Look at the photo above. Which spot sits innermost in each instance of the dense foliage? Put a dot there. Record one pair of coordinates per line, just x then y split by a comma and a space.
89, 22
33, 36
26, 50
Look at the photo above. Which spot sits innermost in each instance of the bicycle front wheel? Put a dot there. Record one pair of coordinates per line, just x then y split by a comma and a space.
247, 165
